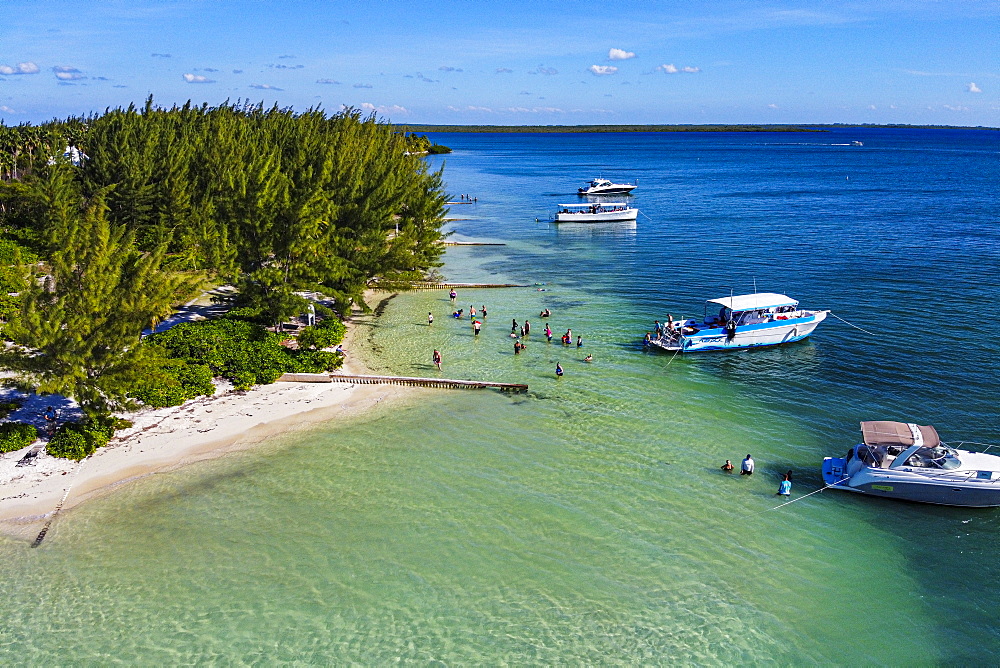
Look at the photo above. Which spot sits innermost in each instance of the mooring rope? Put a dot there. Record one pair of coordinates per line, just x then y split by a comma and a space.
803, 496
851, 324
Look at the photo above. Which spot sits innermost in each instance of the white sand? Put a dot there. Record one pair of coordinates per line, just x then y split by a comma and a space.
166, 438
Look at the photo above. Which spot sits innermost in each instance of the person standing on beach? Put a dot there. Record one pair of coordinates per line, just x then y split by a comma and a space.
548, 332
747, 467
513, 326
559, 370
436, 358
579, 342
527, 328
453, 294
476, 326
484, 310
430, 318
472, 311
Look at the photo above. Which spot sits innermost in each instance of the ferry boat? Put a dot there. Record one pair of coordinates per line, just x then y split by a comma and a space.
742, 321
601, 186
899, 460
591, 212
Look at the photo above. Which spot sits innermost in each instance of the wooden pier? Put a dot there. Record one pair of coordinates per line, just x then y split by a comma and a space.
445, 286
446, 383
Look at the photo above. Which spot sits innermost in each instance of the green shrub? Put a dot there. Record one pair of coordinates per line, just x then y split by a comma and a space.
8, 407
247, 314
16, 435
318, 361
75, 440
69, 444
324, 334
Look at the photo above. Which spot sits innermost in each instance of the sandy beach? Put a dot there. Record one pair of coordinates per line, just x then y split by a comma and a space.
167, 438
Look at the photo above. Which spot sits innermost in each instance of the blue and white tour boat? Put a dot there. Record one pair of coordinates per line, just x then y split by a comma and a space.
595, 212
899, 460
741, 321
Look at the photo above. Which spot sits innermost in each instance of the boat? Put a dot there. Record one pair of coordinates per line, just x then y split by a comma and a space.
742, 321
595, 212
601, 186
857, 143
900, 460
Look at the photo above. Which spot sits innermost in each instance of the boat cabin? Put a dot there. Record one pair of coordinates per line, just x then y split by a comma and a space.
890, 445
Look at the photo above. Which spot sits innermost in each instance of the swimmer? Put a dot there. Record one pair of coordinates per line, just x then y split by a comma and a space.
430, 318
728, 466
559, 369
785, 488
436, 359
588, 358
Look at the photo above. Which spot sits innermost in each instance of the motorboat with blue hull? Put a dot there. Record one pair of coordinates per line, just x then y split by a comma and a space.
742, 321
900, 460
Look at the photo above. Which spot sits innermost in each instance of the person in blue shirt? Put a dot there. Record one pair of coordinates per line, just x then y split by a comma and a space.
785, 488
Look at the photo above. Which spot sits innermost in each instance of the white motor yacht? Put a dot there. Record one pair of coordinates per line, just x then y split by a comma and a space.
601, 186
906, 461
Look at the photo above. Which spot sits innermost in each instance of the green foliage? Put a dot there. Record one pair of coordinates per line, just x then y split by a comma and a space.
69, 444
437, 149
324, 334
78, 332
8, 407
171, 382
16, 435
76, 440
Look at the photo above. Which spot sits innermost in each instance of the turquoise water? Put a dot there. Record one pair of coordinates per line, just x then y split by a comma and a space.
587, 521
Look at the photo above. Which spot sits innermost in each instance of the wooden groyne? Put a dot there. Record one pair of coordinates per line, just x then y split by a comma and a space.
446, 383
441, 286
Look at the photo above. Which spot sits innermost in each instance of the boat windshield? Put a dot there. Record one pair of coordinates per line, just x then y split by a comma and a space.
940, 457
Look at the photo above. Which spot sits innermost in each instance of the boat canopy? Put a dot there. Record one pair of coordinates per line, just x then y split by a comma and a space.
587, 205
754, 301
903, 434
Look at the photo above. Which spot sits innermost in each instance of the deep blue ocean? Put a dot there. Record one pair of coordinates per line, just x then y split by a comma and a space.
587, 521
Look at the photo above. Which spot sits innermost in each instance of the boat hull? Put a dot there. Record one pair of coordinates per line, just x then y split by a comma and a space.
752, 336
622, 189
966, 493
602, 217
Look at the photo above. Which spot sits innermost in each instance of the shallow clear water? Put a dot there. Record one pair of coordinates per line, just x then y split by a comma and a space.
587, 521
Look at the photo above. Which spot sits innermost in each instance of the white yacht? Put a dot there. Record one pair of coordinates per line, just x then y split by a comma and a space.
595, 212
601, 186
742, 321
906, 461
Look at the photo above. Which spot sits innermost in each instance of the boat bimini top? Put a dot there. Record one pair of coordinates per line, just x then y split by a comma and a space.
587, 205
901, 434
756, 301
895, 444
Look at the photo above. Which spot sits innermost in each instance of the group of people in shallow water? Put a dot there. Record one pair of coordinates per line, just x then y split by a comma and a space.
517, 331
747, 468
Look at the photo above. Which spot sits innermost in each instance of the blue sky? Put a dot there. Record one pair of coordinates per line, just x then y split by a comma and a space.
513, 62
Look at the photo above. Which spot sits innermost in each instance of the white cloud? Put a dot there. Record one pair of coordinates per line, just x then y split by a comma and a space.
504, 70
327, 81
4, 108
362, 85
673, 69
772, 106
449, 68
871, 107
951, 108
534, 110
67, 73
384, 110
620, 54
973, 88
602, 70
265, 87
197, 78
20, 68
547, 71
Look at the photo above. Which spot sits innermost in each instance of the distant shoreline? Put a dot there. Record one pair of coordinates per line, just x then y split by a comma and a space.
538, 129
